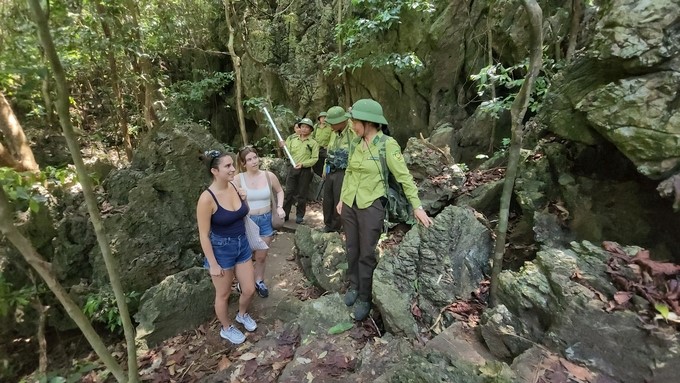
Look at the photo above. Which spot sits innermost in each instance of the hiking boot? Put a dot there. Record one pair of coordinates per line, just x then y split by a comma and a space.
299, 220
232, 334
262, 289
351, 296
246, 321
327, 229
361, 310
286, 218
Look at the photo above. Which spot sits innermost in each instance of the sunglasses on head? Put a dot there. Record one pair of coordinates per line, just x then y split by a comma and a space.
213, 154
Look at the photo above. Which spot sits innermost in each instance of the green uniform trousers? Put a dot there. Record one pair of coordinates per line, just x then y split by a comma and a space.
362, 231
331, 196
297, 186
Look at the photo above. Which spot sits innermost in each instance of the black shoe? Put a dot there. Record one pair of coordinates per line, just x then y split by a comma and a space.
299, 220
361, 310
327, 229
351, 296
286, 218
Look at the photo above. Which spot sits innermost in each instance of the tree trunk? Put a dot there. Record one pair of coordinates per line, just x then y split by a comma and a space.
47, 99
44, 269
489, 40
517, 111
86, 183
142, 66
18, 148
345, 79
115, 82
574, 28
236, 60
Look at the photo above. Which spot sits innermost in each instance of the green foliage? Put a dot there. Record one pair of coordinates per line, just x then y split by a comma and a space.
508, 81
340, 328
361, 36
186, 96
79, 372
24, 188
12, 300
101, 307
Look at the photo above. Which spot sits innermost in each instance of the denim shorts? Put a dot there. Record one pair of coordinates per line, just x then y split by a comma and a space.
229, 251
264, 221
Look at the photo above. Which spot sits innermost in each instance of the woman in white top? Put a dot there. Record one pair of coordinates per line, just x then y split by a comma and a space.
254, 182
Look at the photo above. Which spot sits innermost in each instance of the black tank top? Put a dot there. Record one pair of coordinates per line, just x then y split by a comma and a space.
228, 223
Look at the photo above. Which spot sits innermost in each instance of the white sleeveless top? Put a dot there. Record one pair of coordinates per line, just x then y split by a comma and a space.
257, 198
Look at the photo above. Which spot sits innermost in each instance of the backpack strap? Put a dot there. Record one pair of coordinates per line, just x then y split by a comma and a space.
383, 160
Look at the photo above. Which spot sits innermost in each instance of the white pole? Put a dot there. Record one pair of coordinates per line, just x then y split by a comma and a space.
271, 122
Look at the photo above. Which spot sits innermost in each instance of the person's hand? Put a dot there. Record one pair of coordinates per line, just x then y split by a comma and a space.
338, 208
282, 143
422, 217
298, 166
215, 271
280, 212
242, 193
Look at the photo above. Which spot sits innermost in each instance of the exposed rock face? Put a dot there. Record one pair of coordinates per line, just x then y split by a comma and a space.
437, 264
624, 89
322, 256
289, 61
435, 174
154, 234
180, 302
545, 303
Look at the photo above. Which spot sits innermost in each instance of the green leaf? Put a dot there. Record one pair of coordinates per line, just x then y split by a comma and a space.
340, 328
33, 205
663, 310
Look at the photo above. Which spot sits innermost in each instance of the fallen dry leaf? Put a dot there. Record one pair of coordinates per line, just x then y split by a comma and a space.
248, 356
622, 297
223, 364
577, 372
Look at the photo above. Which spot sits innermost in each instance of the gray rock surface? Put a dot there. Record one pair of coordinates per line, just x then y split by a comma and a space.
545, 303
180, 302
438, 265
624, 88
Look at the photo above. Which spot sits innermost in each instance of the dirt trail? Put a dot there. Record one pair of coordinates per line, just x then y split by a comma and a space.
200, 353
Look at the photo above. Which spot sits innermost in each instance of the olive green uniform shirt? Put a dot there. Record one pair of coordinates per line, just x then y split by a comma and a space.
322, 134
363, 181
305, 152
339, 148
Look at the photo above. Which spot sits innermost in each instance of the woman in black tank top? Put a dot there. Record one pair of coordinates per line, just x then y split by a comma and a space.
221, 231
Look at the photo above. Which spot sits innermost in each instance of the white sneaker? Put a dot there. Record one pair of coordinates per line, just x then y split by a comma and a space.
232, 334
246, 321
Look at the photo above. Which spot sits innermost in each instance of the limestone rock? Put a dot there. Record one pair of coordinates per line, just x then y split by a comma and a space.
322, 256
439, 264
564, 312
180, 302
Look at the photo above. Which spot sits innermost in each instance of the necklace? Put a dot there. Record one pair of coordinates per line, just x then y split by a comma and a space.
253, 179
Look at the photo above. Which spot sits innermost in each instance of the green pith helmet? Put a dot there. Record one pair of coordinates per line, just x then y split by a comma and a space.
306, 121
368, 110
322, 114
336, 115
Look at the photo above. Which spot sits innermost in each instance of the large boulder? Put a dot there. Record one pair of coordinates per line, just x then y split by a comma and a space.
556, 300
153, 225
437, 265
180, 302
434, 172
623, 89
322, 256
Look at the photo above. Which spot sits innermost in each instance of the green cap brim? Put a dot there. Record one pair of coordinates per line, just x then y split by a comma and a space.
370, 117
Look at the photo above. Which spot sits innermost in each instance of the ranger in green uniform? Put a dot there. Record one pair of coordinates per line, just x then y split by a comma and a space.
322, 135
305, 153
362, 205
336, 163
